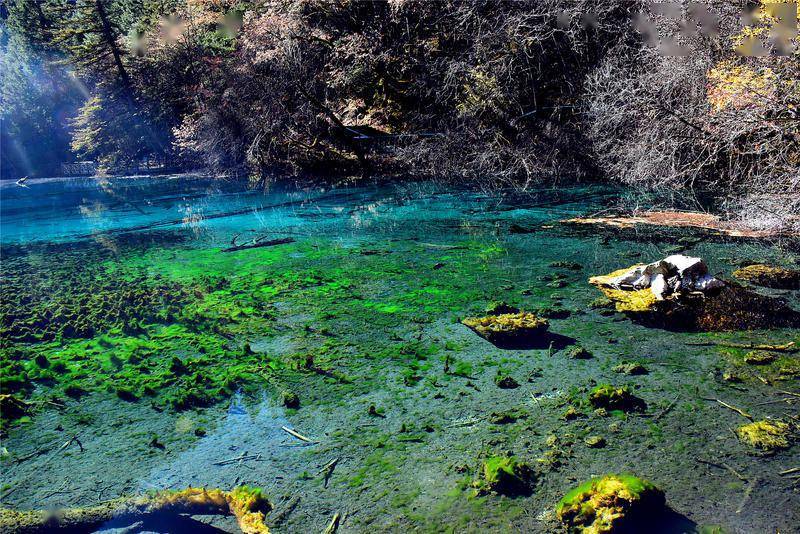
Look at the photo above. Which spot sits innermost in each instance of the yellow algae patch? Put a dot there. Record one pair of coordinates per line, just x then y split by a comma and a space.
765, 435
608, 279
249, 506
640, 300
767, 276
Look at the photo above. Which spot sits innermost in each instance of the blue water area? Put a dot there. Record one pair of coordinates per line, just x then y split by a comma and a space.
71, 209
154, 353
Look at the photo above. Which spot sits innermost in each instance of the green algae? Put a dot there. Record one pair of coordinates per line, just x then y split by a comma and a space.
505, 475
163, 320
613, 398
348, 330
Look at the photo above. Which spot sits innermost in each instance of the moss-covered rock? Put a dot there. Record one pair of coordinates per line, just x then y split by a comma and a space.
504, 475
760, 357
767, 276
290, 399
655, 299
630, 368
506, 382
729, 308
765, 435
579, 353
615, 398
508, 328
595, 442
611, 503
248, 505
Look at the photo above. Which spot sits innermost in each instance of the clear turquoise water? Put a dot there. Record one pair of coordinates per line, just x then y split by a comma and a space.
392, 270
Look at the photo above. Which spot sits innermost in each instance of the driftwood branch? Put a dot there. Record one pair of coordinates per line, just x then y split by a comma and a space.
297, 435
730, 407
258, 244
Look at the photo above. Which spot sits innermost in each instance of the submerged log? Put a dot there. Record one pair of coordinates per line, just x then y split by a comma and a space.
258, 244
248, 505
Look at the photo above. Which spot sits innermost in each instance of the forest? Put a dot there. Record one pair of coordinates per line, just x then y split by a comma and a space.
697, 102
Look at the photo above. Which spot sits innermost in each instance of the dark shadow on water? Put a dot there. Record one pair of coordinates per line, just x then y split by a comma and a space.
667, 522
167, 524
732, 308
538, 342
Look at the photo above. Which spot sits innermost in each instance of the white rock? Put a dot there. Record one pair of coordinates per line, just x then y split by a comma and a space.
673, 274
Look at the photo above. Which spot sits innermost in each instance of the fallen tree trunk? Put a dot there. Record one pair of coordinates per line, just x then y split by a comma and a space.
248, 505
257, 244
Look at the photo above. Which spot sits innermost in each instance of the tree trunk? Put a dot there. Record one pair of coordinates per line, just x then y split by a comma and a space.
108, 37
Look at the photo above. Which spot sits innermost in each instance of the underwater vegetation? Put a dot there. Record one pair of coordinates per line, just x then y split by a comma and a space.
198, 364
765, 435
166, 326
768, 276
611, 503
504, 475
248, 505
615, 398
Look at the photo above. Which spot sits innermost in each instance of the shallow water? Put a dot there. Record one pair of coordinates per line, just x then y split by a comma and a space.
127, 326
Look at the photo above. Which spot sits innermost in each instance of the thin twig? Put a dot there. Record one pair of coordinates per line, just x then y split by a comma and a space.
297, 435
667, 409
333, 525
723, 466
733, 408
244, 456
746, 498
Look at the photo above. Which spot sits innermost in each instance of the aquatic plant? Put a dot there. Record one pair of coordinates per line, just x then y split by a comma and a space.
768, 276
760, 357
765, 435
12, 408
504, 475
595, 442
578, 353
505, 381
290, 399
606, 504
615, 398
630, 368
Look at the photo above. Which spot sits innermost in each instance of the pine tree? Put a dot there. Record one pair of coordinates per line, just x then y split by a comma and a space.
37, 92
114, 125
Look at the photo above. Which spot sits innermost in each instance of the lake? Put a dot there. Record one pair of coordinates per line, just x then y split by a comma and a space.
167, 332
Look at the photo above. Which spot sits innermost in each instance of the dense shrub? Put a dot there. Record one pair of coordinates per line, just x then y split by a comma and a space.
713, 122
